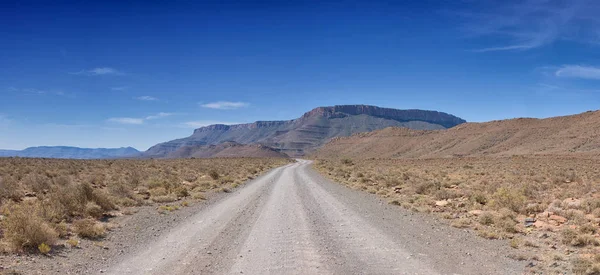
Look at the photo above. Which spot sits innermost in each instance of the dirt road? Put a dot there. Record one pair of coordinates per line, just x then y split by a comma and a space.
292, 221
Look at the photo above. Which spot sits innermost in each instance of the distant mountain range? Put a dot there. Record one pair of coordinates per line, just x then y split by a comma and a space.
299, 136
574, 135
71, 152
285, 138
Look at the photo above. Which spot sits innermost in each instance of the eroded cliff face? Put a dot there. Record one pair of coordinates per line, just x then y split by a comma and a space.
312, 129
254, 125
434, 117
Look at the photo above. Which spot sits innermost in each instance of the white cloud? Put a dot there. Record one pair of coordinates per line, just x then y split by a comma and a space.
225, 105
146, 98
138, 121
525, 25
202, 123
99, 71
127, 120
34, 91
578, 71
159, 115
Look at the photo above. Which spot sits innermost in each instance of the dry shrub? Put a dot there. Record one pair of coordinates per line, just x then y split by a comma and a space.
568, 235
198, 196
71, 200
588, 228
164, 199
580, 266
181, 192
424, 188
79, 190
591, 205
120, 189
103, 200
585, 239
510, 198
158, 191
191, 176
486, 218
61, 228
213, 175
479, 198
61, 180
93, 210
23, 229
9, 189
36, 182
89, 229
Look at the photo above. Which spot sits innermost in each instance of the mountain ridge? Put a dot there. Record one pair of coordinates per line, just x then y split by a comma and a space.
297, 136
225, 150
577, 134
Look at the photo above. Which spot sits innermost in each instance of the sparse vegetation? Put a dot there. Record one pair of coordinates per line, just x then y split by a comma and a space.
45, 202
548, 204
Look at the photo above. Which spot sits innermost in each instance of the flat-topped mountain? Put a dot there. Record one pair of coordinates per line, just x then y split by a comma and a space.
313, 129
66, 152
566, 135
226, 150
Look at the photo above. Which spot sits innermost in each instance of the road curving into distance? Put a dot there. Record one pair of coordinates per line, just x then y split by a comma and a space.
293, 221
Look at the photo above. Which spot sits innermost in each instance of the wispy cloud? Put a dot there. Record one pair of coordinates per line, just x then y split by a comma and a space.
127, 120
578, 71
202, 123
225, 105
159, 115
526, 25
545, 89
122, 88
33, 91
146, 98
99, 71
137, 120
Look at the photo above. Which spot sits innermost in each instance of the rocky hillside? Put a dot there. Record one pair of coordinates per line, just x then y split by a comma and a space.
313, 129
226, 150
567, 135
65, 152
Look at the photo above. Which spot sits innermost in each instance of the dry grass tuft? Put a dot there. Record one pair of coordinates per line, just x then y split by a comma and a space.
26, 231
89, 229
42, 199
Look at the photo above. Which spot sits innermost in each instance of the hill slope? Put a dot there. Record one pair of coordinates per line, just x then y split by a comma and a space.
226, 150
576, 134
65, 152
313, 129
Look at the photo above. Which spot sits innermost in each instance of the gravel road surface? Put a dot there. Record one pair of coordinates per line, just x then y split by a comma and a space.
293, 221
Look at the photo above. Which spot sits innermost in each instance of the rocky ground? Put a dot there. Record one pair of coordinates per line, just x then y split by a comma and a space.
291, 221
546, 208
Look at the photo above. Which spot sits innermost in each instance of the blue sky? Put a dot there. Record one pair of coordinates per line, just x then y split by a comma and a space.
135, 73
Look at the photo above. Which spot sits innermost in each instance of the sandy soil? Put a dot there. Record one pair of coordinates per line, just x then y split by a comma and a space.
288, 221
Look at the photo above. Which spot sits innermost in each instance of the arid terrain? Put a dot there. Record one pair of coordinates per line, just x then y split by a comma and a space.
577, 135
287, 221
532, 182
49, 205
502, 197
546, 208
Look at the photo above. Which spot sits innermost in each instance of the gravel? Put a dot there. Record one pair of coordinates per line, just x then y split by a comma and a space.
288, 221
